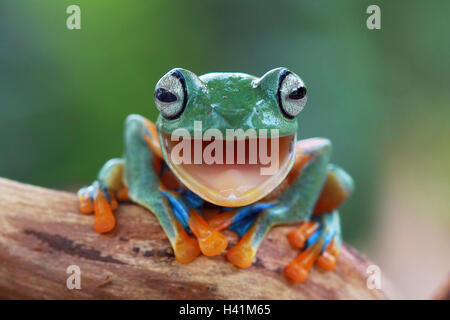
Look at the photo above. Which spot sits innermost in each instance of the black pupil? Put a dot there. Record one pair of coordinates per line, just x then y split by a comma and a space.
298, 94
165, 96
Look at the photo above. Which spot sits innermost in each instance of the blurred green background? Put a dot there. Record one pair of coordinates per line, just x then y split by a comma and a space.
382, 97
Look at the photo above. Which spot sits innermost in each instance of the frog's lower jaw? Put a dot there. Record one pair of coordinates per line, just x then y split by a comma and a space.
233, 185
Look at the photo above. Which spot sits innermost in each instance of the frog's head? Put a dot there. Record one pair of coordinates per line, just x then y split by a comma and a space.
197, 113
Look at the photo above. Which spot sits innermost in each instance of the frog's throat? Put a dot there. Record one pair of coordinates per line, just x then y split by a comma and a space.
232, 185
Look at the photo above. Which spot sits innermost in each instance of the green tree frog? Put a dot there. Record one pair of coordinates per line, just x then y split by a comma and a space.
214, 115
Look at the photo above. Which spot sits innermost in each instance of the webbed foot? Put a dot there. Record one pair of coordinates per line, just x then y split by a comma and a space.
186, 206
97, 199
243, 222
211, 241
321, 239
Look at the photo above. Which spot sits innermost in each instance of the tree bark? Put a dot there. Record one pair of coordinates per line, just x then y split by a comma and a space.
42, 234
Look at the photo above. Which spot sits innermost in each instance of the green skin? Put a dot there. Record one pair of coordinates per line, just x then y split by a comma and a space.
223, 100
227, 101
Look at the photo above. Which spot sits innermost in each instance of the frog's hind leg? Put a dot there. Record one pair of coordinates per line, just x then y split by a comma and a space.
321, 236
337, 188
143, 180
102, 195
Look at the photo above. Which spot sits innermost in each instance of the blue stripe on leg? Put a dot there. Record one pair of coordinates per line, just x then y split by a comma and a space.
328, 228
246, 216
193, 200
179, 208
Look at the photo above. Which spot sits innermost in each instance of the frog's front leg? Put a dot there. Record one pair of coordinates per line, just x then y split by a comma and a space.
143, 181
186, 207
297, 204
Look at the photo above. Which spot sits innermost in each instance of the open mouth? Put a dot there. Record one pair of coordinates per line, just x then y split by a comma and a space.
234, 173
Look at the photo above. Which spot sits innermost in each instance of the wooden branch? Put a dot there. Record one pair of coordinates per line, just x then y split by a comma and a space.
42, 233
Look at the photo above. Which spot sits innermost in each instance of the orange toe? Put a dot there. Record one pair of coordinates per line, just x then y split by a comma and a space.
213, 244
241, 256
114, 204
295, 272
104, 219
104, 224
86, 206
297, 238
327, 261
186, 248
299, 268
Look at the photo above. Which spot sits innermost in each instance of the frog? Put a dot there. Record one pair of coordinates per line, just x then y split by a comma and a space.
195, 202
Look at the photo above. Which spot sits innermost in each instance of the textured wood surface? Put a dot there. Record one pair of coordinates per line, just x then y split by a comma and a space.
42, 233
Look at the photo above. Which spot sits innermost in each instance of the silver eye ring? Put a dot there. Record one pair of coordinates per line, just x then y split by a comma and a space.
291, 94
171, 95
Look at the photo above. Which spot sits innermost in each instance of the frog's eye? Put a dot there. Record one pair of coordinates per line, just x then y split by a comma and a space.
171, 95
291, 94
